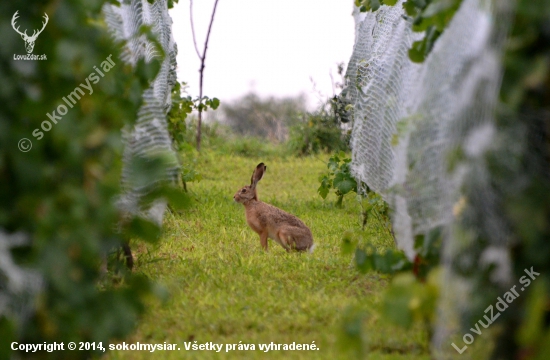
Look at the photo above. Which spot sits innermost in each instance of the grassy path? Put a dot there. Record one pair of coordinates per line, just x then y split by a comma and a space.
225, 289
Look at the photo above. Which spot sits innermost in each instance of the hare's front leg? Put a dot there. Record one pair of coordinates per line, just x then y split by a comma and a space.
263, 239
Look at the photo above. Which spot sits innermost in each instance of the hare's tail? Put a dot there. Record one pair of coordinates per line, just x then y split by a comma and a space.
311, 248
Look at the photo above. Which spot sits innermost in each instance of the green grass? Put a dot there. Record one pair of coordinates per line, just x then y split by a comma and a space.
224, 288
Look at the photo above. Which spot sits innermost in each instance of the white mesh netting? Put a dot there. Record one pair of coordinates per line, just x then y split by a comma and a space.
407, 116
149, 135
411, 120
18, 285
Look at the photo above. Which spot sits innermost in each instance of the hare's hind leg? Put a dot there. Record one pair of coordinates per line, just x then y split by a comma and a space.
286, 239
295, 238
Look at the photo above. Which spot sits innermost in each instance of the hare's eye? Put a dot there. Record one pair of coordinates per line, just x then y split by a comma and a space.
243, 190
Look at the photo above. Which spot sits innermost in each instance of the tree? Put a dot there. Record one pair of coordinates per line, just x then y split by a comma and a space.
202, 103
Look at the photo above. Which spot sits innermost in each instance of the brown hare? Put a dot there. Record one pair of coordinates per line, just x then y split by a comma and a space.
271, 222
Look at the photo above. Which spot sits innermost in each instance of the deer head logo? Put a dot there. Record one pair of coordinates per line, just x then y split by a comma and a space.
29, 40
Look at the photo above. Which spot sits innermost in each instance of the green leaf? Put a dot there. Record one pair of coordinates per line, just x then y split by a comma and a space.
323, 191
215, 103
397, 300
333, 164
432, 34
363, 261
342, 155
416, 52
143, 229
348, 243
178, 199
344, 183
187, 107
410, 8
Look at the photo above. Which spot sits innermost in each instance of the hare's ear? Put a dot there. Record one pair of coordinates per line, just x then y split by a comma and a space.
257, 175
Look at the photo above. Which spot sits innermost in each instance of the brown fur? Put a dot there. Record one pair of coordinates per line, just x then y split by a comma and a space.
271, 222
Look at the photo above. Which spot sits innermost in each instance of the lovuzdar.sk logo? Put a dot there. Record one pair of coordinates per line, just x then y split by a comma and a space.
29, 40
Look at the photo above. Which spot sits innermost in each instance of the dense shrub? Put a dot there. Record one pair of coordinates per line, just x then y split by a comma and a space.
267, 118
57, 212
320, 131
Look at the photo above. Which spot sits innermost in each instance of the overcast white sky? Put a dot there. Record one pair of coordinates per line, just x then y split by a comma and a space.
270, 47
